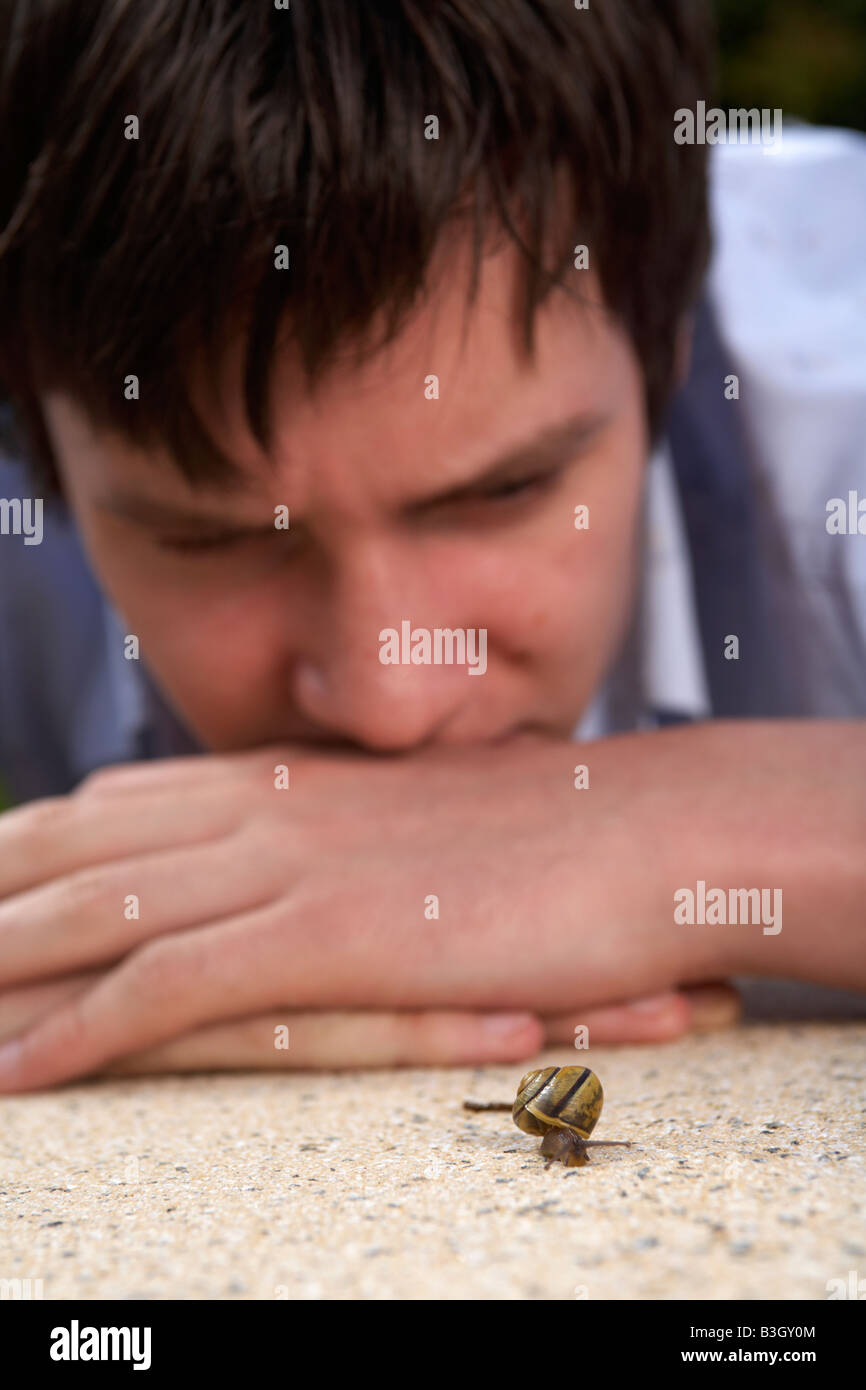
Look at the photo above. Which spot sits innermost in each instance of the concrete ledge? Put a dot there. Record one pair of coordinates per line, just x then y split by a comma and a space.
749, 1181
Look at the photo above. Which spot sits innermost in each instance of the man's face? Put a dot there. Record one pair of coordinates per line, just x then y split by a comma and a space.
456, 512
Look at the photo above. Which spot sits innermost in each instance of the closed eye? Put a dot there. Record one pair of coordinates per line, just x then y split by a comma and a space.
500, 495
505, 496
516, 488
219, 540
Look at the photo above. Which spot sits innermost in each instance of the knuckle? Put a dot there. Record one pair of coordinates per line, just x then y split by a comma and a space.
86, 888
93, 782
108, 779
75, 1024
68, 1031
43, 819
156, 973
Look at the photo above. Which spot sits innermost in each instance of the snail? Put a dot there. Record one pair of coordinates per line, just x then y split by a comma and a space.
563, 1105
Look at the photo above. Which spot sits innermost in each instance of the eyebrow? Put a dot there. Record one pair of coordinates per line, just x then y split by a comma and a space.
550, 448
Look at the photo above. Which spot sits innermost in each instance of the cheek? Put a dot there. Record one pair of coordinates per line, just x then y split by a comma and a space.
565, 603
582, 593
565, 598
549, 602
222, 660
216, 648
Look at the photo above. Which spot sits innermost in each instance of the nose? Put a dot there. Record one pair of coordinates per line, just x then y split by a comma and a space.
339, 681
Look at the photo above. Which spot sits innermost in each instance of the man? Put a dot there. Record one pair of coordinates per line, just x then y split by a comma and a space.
337, 330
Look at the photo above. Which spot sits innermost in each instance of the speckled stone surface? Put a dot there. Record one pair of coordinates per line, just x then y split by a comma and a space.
749, 1181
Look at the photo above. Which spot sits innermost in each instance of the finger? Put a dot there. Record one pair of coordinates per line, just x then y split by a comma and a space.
237, 968
97, 915
343, 1040
22, 1008
166, 989
43, 840
658, 1018
195, 770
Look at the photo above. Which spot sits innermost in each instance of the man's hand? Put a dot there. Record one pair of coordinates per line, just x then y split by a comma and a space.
365, 1039
183, 910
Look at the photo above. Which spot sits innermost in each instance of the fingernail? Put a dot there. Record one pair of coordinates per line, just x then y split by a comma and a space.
653, 1004
501, 1025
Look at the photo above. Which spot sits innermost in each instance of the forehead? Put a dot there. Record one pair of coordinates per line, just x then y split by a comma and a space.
453, 389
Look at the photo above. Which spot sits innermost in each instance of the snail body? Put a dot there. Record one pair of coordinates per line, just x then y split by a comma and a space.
562, 1105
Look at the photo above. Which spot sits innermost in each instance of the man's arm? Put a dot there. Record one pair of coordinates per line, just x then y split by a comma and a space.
780, 805
548, 899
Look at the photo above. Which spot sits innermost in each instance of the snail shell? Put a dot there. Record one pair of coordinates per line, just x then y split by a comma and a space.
558, 1097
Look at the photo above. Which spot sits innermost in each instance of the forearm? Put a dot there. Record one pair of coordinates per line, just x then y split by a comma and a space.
778, 806
591, 882
549, 899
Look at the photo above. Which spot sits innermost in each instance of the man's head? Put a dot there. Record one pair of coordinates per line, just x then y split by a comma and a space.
260, 384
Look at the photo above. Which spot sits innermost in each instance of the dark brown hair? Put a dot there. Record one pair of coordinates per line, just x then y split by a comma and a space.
261, 126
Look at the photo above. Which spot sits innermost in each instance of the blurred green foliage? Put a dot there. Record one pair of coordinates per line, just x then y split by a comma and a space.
806, 56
